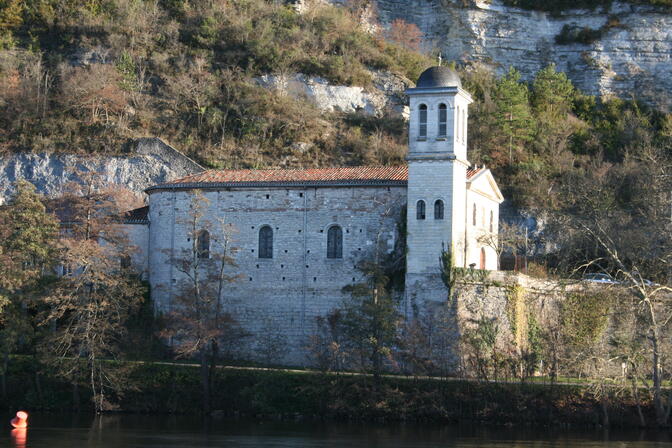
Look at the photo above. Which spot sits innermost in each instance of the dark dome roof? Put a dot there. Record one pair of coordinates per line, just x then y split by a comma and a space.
438, 77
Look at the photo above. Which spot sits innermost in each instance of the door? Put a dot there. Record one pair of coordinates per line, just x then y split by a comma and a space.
482, 258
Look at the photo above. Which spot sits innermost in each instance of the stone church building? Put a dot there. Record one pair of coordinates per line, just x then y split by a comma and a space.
299, 234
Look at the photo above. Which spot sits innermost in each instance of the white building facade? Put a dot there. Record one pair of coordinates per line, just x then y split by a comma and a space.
300, 234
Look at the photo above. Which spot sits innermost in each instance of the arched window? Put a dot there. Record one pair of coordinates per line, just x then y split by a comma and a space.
420, 210
482, 266
438, 209
443, 120
423, 121
335, 242
492, 219
473, 217
266, 242
203, 244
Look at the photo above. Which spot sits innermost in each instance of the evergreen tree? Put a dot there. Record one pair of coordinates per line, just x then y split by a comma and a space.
552, 101
552, 93
513, 116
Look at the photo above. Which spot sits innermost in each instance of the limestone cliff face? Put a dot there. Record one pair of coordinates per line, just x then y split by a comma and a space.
632, 55
151, 162
385, 96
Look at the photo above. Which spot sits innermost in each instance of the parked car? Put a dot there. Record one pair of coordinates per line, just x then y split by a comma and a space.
600, 278
638, 278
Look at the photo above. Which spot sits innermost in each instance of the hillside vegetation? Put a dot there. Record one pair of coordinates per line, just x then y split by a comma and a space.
87, 76
90, 76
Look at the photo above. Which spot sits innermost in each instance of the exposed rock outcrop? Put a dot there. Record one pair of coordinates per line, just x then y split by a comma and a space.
628, 54
151, 162
385, 96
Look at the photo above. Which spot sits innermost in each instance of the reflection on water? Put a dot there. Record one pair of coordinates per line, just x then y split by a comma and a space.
133, 431
19, 437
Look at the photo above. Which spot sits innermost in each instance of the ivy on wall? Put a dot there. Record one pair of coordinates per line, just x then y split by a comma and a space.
518, 315
584, 317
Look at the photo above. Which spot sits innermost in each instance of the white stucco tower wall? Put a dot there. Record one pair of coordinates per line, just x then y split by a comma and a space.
437, 171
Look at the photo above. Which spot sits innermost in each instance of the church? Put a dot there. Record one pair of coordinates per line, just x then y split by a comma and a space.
299, 234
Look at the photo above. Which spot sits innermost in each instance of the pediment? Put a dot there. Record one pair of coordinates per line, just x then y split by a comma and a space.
484, 183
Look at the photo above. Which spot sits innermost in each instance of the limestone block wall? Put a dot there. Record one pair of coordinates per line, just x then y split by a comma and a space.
448, 320
277, 299
491, 300
138, 237
430, 181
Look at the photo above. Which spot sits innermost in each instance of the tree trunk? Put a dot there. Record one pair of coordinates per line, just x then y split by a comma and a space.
604, 403
38, 388
214, 355
635, 394
5, 365
205, 380
75, 396
657, 389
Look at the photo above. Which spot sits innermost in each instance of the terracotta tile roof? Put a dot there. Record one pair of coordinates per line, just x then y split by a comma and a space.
471, 172
345, 175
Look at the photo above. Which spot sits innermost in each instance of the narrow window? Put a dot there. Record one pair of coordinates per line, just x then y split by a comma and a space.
457, 125
203, 244
473, 217
335, 242
266, 242
492, 219
464, 125
423, 121
420, 210
125, 261
438, 209
443, 120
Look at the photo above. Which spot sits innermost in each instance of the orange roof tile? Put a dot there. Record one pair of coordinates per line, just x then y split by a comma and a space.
471, 172
359, 174
345, 175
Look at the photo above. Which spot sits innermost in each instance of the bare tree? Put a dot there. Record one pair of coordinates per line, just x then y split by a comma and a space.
88, 305
633, 244
197, 322
405, 34
511, 237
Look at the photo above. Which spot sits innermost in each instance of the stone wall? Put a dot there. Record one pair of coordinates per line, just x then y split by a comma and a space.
448, 322
138, 238
277, 300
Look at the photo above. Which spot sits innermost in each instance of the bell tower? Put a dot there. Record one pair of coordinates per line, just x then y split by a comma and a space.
437, 170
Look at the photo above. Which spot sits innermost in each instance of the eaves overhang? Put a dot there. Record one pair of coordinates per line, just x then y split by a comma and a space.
248, 185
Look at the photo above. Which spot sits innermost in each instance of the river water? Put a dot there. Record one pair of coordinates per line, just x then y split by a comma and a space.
133, 431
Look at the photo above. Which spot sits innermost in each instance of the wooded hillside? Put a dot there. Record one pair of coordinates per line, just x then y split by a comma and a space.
89, 77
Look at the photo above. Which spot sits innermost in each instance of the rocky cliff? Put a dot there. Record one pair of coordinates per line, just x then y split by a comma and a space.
385, 96
151, 161
624, 50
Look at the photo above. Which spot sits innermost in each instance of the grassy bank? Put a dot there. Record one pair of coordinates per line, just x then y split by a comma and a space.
162, 388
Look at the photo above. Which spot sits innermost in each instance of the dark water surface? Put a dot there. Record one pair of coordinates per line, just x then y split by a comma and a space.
133, 431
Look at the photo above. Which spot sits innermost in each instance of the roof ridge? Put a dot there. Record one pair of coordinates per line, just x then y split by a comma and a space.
295, 175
